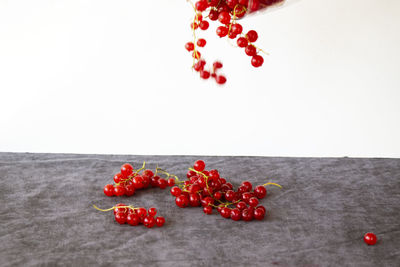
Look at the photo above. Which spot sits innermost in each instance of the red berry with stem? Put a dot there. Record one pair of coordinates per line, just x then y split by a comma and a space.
194, 26
242, 42
224, 17
182, 201
232, 3
204, 25
198, 17
232, 35
217, 65
253, 202
259, 214
204, 74
213, 15
152, 211
260, 192
162, 183
189, 46
222, 31
171, 182
199, 165
257, 61
118, 178
236, 214
218, 195
109, 190
201, 5
220, 79
236, 28
247, 185
201, 42
132, 219
251, 50
370, 239
126, 170
120, 217
207, 201
149, 221
137, 182
160, 221
129, 190
207, 210
194, 200
148, 173
176, 191
226, 212
252, 36
229, 195
119, 190
154, 181
145, 181
196, 54
141, 212
117, 209
241, 205
198, 66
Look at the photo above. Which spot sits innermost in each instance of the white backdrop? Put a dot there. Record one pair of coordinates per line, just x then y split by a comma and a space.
96, 76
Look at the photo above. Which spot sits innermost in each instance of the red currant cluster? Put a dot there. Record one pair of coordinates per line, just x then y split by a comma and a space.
226, 12
207, 189
129, 180
135, 216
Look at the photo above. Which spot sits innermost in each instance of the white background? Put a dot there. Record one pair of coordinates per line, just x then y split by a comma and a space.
95, 76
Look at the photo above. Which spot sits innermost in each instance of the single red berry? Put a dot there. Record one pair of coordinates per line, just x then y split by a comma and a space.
137, 182
220, 79
223, 7
241, 205
218, 195
204, 74
232, 3
232, 35
259, 214
248, 185
257, 61
236, 214
242, 42
129, 190
217, 65
145, 181
182, 201
154, 181
253, 202
207, 210
247, 215
190, 173
244, 2
120, 217
201, 5
222, 31
196, 54
199, 165
260, 192
206, 173
236, 28
201, 42
194, 200
254, 5
141, 212
213, 15
149, 221
370, 239
252, 36
224, 17
118, 209
204, 25
229, 195
109, 190
262, 207
152, 211
162, 183
118, 178
226, 212
176, 191
171, 182
189, 46
207, 201
198, 17
246, 197
132, 219
160, 221
194, 26
251, 50
148, 173
126, 170
198, 66
119, 190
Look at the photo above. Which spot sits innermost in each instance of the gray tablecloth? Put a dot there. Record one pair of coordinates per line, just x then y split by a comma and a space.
317, 219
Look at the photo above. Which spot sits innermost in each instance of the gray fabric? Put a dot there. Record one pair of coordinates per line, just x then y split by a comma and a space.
318, 219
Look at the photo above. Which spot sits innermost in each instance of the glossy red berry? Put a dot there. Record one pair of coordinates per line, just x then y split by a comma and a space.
118, 178
201, 42
259, 214
196, 54
182, 201
109, 190
246, 197
229, 195
370, 239
119, 190
201, 5
243, 2
162, 183
207, 201
220, 79
129, 190
257, 61
251, 50
207, 210
247, 215
260, 191
204, 25
236, 214
231, 3
217, 65
253, 202
141, 212
194, 200
224, 17
118, 209
148, 173
236, 28
199, 165
126, 170
222, 31
204, 74
137, 182
152, 211
247, 185
252, 36
189, 46
242, 42
149, 221
198, 17
232, 35
120, 217
254, 5
226, 212
218, 195
213, 15
132, 219
160, 221
241, 205
262, 207
154, 181
176, 191
194, 26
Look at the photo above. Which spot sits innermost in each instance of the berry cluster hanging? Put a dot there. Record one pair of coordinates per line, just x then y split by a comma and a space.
226, 12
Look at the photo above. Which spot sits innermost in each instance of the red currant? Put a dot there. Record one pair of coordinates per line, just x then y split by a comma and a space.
257, 61
231, 3
237, 28
201, 5
132, 219
149, 221
171, 182
160, 221
152, 211
117, 209
217, 65
253, 202
207, 210
204, 25
241, 205
137, 182
259, 214
129, 190
260, 192
182, 201
247, 185
118, 178
119, 190
204, 74
196, 54
236, 214
247, 215
220, 79
141, 212
201, 42
162, 183
242, 42
226, 212
222, 31
120, 217
194, 200
213, 15
126, 170
176, 191
251, 50
370, 239
252, 36
199, 165
109, 190
229, 195
194, 26
224, 17
189, 46
148, 173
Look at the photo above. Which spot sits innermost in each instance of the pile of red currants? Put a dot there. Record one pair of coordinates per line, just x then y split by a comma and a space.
207, 189
226, 12
129, 180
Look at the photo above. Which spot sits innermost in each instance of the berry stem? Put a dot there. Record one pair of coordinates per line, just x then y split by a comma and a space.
130, 207
272, 184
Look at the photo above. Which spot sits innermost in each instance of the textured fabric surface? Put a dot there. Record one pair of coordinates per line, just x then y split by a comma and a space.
317, 219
